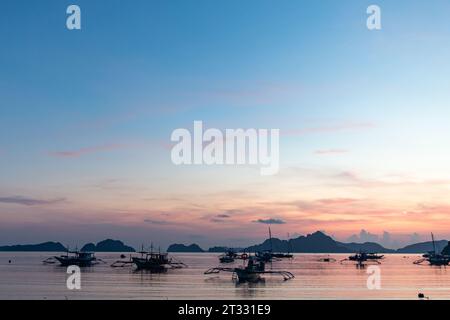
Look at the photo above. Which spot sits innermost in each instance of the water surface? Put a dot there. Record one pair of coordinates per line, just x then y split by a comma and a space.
27, 278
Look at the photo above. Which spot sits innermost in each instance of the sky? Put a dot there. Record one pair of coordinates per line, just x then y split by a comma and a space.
86, 118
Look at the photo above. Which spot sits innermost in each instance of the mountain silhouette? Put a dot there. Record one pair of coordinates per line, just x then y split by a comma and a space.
42, 247
423, 247
366, 247
107, 245
176, 247
317, 242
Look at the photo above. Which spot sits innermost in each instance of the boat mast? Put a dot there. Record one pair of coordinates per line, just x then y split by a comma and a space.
289, 242
270, 238
434, 245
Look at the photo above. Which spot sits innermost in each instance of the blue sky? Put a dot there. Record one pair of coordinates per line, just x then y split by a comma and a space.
373, 103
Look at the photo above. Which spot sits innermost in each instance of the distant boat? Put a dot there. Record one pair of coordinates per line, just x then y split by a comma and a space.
363, 258
149, 260
264, 256
251, 272
152, 261
282, 255
228, 257
433, 257
77, 258
268, 255
326, 259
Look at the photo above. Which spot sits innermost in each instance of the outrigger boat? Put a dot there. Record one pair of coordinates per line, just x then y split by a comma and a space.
77, 258
268, 255
264, 256
365, 256
149, 260
228, 257
361, 258
326, 259
434, 258
251, 272
282, 255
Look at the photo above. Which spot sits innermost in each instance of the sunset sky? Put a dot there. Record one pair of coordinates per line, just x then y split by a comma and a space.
86, 118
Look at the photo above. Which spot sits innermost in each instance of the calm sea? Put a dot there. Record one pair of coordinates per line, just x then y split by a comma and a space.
26, 277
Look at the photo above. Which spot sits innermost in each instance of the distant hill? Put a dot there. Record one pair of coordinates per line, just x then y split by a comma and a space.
183, 248
423, 247
43, 247
107, 245
318, 242
366, 247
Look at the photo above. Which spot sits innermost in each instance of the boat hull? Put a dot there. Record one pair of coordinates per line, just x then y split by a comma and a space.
143, 264
64, 261
246, 276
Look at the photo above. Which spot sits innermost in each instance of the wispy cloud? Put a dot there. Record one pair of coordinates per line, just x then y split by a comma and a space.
223, 216
88, 150
270, 221
159, 222
26, 201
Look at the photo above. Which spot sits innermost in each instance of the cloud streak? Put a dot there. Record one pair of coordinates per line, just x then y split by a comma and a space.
26, 201
270, 221
88, 150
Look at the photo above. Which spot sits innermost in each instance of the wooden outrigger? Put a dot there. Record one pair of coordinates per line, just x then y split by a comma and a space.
269, 255
251, 272
228, 257
363, 258
326, 259
149, 260
433, 257
77, 258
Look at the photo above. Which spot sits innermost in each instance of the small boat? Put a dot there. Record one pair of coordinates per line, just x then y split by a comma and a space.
228, 257
282, 255
433, 257
268, 255
326, 259
251, 272
361, 258
152, 261
264, 256
149, 260
439, 260
374, 256
77, 258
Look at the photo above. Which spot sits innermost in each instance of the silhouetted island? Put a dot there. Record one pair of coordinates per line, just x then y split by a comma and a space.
183, 248
366, 247
423, 247
317, 242
42, 247
107, 245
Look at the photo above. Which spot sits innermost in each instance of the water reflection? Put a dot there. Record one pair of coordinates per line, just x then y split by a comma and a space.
27, 278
